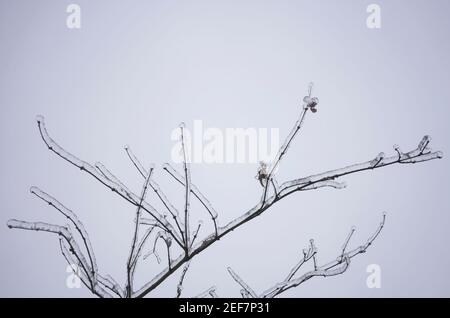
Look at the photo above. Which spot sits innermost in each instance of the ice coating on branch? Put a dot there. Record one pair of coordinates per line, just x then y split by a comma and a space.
187, 184
134, 253
241, 282
377, 160
109, 175
203, 200
291, 136
109, 282
413, 156
73, 261
141, 245
63, 231
135, 161
66, 250
155, 186
69, 214
424, 143
325, 179
150, 253
327, 183
211, 291
170, 207
114, 186
36, 226
349, 236
180, 283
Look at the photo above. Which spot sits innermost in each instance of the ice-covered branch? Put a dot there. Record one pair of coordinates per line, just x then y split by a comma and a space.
287, 188
157, 189
314, 257
73, 261
335, 267
347, 240
69, 214
168, 242
105, 286
196, 192
241, 282
278, 289
199, 226
414, 156
110, 176
64, 232
140, 246
180, 283
187, 185
210, 292
309, 104
94, 172
307, 255
135, 235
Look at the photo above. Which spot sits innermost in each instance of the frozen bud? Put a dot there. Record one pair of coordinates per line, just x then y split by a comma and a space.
311, 103
262, 173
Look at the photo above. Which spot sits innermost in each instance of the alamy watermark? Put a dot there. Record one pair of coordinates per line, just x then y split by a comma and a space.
373, 21
374, 278
229, 145
73, 20
73, 280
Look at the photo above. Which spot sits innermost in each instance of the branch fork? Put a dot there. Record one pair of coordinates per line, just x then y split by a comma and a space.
173, 226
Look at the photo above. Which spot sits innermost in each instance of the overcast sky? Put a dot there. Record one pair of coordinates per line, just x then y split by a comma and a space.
135, 70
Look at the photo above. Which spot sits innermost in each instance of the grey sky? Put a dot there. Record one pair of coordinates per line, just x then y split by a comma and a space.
134, 71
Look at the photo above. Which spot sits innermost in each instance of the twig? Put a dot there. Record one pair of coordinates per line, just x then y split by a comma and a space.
241, 282
187, 195
157, 189
196, 192
69, 214
135, 236
180, 283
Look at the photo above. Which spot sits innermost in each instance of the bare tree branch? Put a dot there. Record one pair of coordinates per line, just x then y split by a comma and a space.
64, 232
157, 189
333, 268
248, 290
210, 292
180, 283
308, 104
196, 192
187, 195
75, 221
191, 245
84, 166
132, 255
